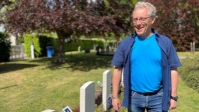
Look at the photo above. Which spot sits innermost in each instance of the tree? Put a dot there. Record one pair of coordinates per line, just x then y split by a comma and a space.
70, 17
4, 4
179, 20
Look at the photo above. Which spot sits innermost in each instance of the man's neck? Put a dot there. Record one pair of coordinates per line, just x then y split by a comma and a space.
146, 35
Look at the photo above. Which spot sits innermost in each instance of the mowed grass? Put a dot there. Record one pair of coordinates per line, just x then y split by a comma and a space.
37, 85
188, 99
188, 54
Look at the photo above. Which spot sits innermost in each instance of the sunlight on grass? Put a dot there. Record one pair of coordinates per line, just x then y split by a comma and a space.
188, 54
188, 99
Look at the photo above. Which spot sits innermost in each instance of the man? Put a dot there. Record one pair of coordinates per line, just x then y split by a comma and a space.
150, 65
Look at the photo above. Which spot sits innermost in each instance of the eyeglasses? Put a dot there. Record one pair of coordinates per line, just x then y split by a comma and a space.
142, 19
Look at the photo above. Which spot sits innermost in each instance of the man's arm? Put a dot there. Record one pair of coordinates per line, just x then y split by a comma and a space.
174, 82
174, 87
116, 78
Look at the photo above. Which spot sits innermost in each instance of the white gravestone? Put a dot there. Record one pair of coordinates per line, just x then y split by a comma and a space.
106, 90
87, 97
48, 110
32, 50
79, 49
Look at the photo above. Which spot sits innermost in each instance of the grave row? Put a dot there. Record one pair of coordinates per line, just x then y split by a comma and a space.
87, 95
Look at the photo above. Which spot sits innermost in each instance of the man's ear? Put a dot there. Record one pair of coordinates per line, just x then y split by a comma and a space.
153, 20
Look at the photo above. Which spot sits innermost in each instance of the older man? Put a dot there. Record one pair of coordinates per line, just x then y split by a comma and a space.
150, 65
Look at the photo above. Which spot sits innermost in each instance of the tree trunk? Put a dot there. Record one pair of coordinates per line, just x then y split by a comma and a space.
61, 50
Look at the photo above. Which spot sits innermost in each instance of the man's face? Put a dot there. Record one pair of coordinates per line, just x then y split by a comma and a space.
142, 22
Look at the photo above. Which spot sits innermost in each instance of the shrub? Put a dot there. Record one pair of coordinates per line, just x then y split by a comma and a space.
44, 41
189, 72
40, 43
5, 47
73, 46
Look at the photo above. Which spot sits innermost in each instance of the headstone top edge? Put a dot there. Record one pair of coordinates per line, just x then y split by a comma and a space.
86, 84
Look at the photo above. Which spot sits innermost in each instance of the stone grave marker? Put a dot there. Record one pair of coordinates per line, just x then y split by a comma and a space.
87, 97
106, 90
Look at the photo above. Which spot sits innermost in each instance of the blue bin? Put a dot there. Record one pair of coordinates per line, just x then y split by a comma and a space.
49, 51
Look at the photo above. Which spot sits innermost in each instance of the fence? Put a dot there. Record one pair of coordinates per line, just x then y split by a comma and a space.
17, 52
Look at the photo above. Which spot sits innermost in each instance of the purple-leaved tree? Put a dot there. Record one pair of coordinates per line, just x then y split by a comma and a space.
70, 17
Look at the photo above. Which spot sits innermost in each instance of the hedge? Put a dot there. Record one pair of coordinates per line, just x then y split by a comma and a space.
40, 43
73, 45
5, 47
189, 72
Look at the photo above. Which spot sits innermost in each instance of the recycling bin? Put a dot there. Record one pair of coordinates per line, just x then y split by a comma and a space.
49, 51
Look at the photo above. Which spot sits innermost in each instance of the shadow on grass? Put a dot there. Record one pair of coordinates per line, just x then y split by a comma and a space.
78, 61
8, 87
86, 62
8, 67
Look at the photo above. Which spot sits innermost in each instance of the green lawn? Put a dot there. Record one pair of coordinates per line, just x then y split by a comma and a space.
37, 85
188, 54
188, 99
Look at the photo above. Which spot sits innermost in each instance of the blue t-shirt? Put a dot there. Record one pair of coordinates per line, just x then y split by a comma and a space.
146, 66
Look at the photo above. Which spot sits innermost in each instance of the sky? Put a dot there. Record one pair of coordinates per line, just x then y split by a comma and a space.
2, 29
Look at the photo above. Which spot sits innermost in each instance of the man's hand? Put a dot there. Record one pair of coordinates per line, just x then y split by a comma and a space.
173, 104
116, 104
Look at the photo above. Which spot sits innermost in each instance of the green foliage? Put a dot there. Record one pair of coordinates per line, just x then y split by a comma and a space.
40, 43
21, 40
28, 40
5, 47
73, 46
44, 41
189, 72
106, 3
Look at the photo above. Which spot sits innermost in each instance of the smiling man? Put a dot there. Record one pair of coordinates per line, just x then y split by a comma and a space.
150, 65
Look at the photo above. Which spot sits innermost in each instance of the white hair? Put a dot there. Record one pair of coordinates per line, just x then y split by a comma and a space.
152, 9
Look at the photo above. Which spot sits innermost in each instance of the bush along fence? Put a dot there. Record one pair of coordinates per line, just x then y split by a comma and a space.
88, 96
